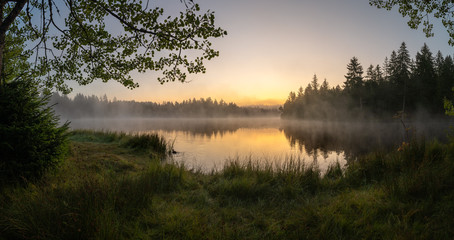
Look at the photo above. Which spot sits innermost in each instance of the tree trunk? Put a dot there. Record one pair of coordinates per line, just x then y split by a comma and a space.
5, 24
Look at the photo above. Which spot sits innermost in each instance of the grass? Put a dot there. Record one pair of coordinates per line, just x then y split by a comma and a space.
115, 186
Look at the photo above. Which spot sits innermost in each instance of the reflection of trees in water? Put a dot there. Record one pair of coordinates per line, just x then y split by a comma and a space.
351, 138
317, 138
196, 127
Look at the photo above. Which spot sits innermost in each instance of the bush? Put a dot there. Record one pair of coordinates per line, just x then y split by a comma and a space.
31, 142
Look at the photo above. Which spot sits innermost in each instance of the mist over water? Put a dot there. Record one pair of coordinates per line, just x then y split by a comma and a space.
206, 143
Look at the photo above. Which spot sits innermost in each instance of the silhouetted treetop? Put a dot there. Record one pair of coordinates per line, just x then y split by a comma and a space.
404, 86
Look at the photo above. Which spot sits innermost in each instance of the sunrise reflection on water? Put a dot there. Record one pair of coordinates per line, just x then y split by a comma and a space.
266, 145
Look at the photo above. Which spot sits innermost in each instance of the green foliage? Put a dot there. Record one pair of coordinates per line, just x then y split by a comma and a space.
421, 11
30, 140
107, 40
14, 56
449, 108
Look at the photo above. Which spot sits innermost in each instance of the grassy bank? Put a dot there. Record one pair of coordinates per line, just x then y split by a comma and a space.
115, 186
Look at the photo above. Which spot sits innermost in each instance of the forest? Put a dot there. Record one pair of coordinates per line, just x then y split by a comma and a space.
82, 106
400, 86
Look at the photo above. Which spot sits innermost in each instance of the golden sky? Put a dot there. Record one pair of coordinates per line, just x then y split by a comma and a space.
274, 47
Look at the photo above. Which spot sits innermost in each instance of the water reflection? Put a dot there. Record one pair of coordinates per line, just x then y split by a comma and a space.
197, 127
357, 138
208, 143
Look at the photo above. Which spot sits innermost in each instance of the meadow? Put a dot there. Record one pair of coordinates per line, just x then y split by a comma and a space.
118, 186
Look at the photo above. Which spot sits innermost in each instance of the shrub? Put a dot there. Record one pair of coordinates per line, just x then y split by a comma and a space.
31, 142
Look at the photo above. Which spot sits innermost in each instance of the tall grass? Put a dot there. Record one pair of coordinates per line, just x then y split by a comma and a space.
150, 143
100, 208
96, 136
255, 180
405, 194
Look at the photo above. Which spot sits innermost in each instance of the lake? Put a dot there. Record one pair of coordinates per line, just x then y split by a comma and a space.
207, 143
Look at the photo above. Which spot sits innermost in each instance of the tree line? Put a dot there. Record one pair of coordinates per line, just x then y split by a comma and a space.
400, 86
82, 106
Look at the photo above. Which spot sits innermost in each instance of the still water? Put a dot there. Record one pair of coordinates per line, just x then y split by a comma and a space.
208, 143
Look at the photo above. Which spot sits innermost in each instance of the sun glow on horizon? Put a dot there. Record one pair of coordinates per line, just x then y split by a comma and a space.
273, 48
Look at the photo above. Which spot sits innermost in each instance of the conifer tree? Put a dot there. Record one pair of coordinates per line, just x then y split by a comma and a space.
392, 65
314, 83
402, 73
324, 87
354, 80
378, 74
425, 78
438, 63
386, 68
370, 73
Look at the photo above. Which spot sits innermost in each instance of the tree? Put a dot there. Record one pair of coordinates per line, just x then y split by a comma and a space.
402, 72
438, 63
391, 66
300, 92
421, 11
79, 40
314, 83
354, 74
425, 78
308, 90
370, 73
386, 68
324, 87
354, 80
378, 74
31, 142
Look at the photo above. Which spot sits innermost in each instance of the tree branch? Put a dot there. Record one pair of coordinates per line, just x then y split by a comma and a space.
168, 37
12, 15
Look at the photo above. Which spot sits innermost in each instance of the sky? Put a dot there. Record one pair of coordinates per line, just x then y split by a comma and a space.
274, 47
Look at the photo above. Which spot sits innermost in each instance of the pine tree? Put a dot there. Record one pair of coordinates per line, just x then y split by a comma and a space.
370, 73
392, 65
308, 90
31, 142
402, 73
425, 79
378, 74
314, 83
324, 87
438, 64
386, 68
300, 92
354, 80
